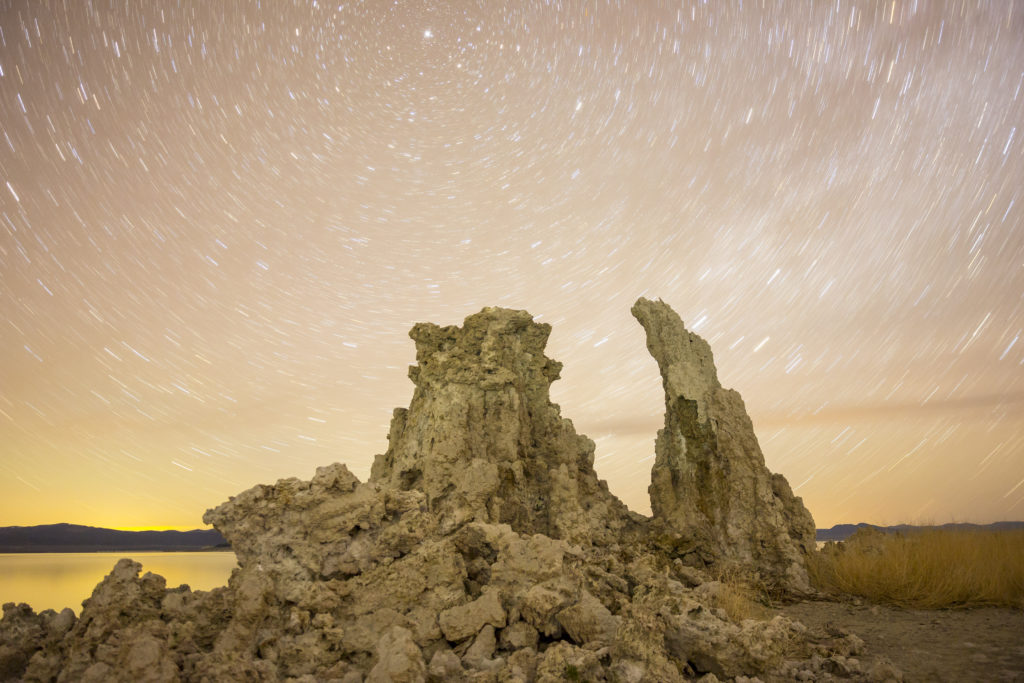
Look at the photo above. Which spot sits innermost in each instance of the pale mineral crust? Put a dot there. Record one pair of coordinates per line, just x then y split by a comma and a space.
709, 482
483, 548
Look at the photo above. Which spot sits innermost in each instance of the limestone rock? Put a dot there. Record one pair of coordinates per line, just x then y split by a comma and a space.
518, 636
399, 659
565, 662
588, 622
332, 525
709, 484
335, 559
463, 621
23, 634
480, 655
483, 441
483, 543
445, 666
728, 652
120, 636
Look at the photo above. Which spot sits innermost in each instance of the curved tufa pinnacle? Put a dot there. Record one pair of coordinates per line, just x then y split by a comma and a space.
709, 480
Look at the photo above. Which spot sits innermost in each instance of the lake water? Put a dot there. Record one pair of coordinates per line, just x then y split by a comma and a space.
59, 580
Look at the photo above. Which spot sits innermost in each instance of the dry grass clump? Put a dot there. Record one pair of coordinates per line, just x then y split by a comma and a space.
931, 568
740, 594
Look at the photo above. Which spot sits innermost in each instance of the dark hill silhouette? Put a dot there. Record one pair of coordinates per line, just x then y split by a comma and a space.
75, 538
840, 532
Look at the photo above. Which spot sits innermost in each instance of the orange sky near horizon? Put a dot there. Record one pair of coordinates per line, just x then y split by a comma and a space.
219, 222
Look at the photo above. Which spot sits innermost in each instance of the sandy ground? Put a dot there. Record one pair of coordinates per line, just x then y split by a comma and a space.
980, 644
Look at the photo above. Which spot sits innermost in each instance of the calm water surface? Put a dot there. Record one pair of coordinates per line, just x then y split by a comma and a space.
59, 580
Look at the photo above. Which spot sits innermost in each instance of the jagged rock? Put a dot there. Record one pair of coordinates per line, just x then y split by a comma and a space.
399, 659
121, 635
565, 662
462, 621
542, 603
709, 483
483, 441
520, 666
483, 543
357, 559
480, 655
333, 525
588, 622
518, 636
627, 671
445, 666
23, 634
702, 642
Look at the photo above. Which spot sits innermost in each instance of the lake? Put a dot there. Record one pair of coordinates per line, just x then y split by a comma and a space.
59, 580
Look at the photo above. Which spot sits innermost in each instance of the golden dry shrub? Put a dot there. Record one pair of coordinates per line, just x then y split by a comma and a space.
741, 593
931, 568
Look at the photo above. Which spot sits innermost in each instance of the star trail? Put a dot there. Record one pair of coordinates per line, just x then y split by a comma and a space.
218, 222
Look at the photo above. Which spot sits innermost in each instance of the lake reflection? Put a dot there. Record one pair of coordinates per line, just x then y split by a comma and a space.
59, 580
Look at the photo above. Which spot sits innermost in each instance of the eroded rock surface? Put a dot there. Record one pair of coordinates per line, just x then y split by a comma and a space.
483, 548
709, 484
483, 441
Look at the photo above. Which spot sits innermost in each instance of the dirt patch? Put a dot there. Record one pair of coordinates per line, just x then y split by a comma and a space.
930, 645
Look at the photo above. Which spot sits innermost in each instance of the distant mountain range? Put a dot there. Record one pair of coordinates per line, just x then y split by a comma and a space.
75, 538
840, 532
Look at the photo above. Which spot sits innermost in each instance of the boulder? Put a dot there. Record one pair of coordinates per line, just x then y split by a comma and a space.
463, 621
518, 636
480, 655
445, 666
588, 622
399, 659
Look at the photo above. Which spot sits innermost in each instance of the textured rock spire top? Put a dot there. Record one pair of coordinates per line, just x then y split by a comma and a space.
495, 347
482, 439
685, 360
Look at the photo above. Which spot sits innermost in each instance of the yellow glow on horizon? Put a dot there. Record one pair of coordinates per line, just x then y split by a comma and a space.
157, 528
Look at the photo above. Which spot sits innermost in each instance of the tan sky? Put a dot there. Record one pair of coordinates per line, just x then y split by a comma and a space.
217, 225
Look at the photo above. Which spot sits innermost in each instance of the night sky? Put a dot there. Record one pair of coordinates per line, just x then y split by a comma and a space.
219, 220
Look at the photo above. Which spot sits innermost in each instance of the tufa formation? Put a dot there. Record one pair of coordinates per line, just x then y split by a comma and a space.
482, 548
483, 441
709, 483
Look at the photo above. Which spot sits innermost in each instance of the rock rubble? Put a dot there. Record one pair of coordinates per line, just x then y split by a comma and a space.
483, 548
